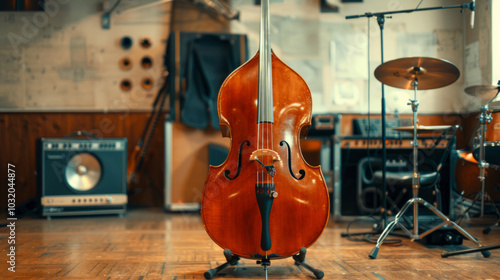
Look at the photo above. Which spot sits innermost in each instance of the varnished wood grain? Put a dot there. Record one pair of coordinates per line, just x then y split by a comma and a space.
150, 244
230, 211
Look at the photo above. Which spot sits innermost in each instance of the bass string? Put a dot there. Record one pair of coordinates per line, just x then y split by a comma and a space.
267, 128
259, 112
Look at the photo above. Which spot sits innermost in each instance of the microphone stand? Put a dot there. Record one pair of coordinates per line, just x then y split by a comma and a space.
381, 22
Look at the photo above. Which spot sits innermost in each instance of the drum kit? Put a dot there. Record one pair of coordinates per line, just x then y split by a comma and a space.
423, 73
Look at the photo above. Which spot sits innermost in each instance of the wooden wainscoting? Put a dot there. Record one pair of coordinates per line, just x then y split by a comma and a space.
19, 132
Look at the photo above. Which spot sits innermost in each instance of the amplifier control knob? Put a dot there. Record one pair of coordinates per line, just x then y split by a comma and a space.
109, 199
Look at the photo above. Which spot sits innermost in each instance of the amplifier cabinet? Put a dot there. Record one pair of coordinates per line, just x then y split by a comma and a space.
82, 176
325, 129
359, 195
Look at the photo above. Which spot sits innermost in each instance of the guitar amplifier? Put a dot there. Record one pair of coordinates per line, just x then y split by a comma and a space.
82, 176
358, 195
322, 147
373, 127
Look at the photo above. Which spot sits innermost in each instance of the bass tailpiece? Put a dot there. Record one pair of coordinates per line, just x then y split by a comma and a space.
265, 196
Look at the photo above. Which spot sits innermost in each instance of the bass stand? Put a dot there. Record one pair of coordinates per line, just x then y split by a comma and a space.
232, 260
381, 21
300, 261
415, 188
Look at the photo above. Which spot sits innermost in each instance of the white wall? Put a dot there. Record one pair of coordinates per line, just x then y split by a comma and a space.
71, 63
495, 44
331, 53
62, 59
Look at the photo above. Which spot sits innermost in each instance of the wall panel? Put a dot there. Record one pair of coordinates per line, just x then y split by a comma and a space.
19, 132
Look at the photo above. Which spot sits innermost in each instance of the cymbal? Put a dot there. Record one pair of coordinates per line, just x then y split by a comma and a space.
487, 92
431, 73
423, 128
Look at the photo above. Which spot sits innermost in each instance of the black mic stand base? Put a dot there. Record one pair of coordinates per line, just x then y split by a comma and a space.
482, 249
488, 229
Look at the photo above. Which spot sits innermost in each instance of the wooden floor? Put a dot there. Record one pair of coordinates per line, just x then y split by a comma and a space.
151, 244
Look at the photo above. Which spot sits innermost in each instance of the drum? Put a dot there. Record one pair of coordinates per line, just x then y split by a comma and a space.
467, 173
491, 153
493, 128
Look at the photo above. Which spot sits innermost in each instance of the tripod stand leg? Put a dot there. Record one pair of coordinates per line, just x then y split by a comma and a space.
490, 200
446, 220
300, 259
453, 224
488, 229
480, 249
230, 260
390, 227
466, 212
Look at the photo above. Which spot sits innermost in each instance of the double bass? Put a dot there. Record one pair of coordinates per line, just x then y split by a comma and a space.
265, 201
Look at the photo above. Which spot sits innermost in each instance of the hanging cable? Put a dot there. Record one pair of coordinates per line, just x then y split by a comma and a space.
419, 4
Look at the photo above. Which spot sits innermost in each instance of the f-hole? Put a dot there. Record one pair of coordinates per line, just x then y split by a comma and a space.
227, 171
301, 171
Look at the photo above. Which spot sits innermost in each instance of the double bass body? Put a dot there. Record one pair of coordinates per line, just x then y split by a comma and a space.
231, 213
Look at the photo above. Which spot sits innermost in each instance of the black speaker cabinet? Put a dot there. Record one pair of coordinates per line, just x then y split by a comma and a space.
82, 176
360, 195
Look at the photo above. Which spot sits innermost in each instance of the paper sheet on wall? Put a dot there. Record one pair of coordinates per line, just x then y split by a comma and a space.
296, 36
348, 60
472, 65
346, 93
416, 44
311, 71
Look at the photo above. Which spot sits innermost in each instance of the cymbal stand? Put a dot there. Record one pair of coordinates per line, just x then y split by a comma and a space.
484, 119
416, 200
381, 16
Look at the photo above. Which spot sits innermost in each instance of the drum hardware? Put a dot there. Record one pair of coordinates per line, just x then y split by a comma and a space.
381, 16
418, 73
484, 118
480, 153
421, 129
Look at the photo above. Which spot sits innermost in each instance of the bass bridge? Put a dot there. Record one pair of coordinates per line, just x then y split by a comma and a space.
259, 156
